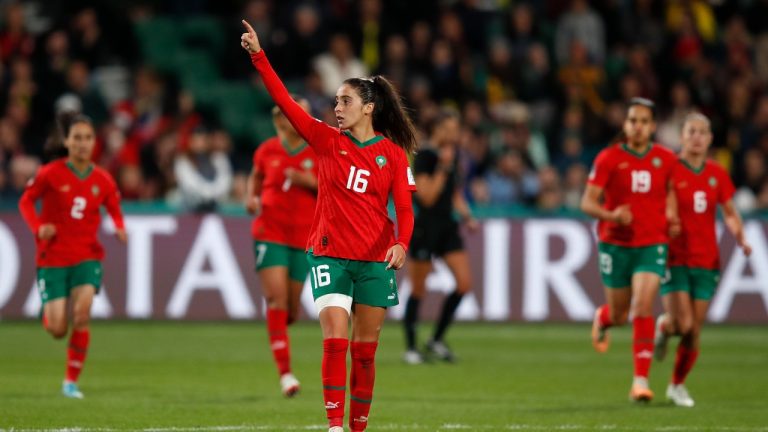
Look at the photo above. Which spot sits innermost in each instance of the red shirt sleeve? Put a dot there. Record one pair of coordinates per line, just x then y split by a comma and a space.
315, 132
33, 191
403, 186
112, 203
726, 189
601, 171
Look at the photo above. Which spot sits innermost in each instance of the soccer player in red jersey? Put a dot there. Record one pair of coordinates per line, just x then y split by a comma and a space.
69, 255
694, 260
628, 192
283, 181
352, 248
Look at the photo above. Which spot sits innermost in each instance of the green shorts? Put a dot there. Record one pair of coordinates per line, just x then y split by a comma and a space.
350, 281
57, 282
277, 255
698, 282
619, 263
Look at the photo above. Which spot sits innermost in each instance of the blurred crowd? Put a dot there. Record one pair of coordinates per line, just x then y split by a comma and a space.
540, 86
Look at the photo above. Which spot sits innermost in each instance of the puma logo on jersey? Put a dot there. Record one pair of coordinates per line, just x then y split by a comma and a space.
623, 165
65, 188
274, 163
343, 152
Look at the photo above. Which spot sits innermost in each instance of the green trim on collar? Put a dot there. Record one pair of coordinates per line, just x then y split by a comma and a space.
295, 151
81, 175
692, 168
626, 148
357, 142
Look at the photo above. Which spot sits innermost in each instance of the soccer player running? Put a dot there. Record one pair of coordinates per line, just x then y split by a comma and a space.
699, 185
352, 249
628, 192
69, 255
436, 233
283, 182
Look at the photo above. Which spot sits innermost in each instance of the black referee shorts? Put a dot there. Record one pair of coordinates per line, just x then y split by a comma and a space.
434, 239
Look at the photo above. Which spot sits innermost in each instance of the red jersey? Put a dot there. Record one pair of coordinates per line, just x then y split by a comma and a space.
640, 180
280, 198
355, 180
698, 193
71, 201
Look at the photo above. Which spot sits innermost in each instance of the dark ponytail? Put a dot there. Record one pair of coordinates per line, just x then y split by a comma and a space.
54, 145
389, 115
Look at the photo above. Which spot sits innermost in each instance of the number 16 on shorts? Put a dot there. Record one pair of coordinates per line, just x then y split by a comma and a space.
321, 275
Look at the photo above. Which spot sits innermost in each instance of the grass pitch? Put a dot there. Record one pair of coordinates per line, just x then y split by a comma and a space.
180, 376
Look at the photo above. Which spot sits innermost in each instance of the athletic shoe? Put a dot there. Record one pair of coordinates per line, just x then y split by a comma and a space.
660, 340
70, 390
336, 429
413, 357
289, 384
678, 394
640, 392
439, 350
600, 339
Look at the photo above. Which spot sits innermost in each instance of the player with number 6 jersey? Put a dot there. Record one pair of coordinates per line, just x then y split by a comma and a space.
700, 185
352, 248
72, 191
628, 192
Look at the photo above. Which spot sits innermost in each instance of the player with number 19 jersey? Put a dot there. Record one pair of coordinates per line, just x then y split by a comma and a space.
71, 201
698, 193
356, 179
617, 170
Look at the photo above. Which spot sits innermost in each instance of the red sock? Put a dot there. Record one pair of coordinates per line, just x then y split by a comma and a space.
684, 361
605, 316
277, 321
78, 348
642, 344
335, 379
361, 384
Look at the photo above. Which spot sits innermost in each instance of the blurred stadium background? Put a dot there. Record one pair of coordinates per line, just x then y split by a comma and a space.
540, 86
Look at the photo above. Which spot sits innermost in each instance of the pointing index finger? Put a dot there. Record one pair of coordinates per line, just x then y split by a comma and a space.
248, 27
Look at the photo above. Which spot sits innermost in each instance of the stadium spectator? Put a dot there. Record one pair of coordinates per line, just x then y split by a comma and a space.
580, 24
338, 63
203, 175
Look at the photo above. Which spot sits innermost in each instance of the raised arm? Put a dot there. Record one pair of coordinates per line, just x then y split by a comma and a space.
306, 125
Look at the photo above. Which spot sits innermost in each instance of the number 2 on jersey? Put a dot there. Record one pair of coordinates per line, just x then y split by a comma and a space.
78, 205
357, 179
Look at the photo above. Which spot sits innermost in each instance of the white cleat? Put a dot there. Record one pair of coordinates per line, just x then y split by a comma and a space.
289, 384
678, 394
413, 357
336, 429
660, 340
